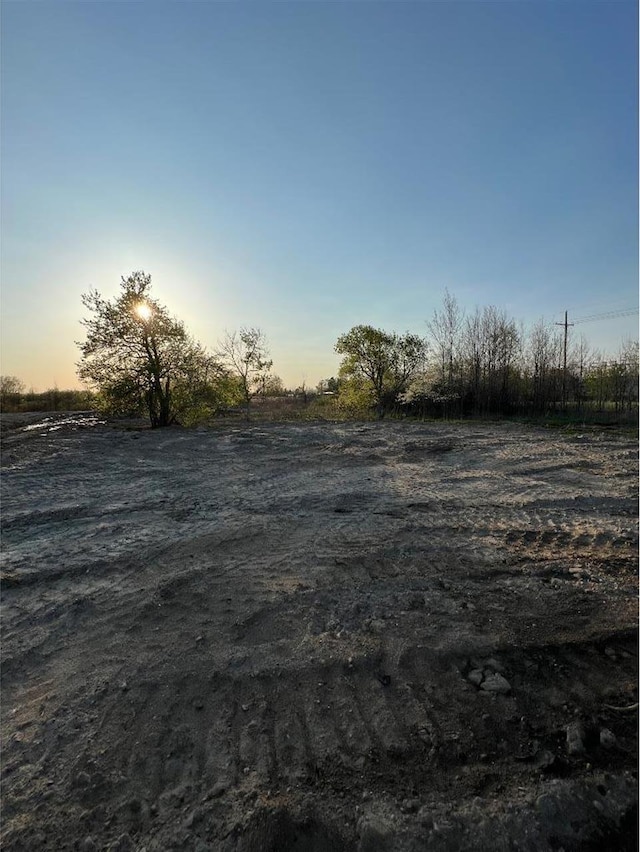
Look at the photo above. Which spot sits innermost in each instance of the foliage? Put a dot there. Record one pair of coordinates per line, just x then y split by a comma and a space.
141, 360
482, 364
11, 387
384, 362
615, 381
355, 398
424, 397
15, 400
331, 385
270, 386
246, 355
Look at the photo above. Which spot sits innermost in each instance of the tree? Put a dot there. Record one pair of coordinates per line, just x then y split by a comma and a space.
385, 361
328, 386
445, 328
139, 358
270, 386
11, 387
246, 355
545, 355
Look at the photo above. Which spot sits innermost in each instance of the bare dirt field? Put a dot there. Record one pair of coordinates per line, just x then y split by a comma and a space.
318, 636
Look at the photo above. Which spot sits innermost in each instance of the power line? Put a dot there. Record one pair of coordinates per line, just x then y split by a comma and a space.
625, 312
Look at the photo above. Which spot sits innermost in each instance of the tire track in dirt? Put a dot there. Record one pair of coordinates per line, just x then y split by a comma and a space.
304, 637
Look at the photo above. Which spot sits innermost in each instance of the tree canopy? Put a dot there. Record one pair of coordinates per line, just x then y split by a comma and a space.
246, 355
139, 358
385, 361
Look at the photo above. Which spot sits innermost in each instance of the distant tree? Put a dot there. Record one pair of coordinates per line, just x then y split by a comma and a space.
11, 388
387, 362
140, 359
270, 386
331, 385
544, 354
445, 328
579, 357
614, 383
246, 355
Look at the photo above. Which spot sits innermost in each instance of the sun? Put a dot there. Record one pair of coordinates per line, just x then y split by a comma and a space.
143, 310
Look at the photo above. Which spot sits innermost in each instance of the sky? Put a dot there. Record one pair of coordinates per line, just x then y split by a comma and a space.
308, 166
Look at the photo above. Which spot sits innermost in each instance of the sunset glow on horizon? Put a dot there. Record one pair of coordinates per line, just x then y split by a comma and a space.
303, 168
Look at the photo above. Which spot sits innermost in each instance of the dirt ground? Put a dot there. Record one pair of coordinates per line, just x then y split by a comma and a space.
318, 636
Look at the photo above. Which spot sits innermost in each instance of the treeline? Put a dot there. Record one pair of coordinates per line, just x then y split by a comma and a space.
483, 364
14, 398
138, 360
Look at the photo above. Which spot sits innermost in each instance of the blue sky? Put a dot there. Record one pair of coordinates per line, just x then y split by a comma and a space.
307, 166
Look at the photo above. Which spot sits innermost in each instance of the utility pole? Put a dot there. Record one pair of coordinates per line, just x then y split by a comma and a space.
564, 371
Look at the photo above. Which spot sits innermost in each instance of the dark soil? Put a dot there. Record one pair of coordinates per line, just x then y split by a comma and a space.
382, 636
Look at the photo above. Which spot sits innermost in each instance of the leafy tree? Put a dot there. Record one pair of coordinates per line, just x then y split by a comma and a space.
140, 359
246, 355
270, 386
354, 397
385, 361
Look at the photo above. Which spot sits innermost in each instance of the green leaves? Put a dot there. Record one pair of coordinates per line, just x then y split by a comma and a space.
246, 355
384, 361
139, 358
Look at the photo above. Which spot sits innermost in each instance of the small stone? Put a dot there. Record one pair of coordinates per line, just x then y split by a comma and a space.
409, 806
494, 665
218, 789
607, 738
192, 818
575, 738
88, 844
497, 684
475, 677
199, 638
610, 652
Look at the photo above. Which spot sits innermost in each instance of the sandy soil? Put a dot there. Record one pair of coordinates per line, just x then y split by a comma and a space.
380, 636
